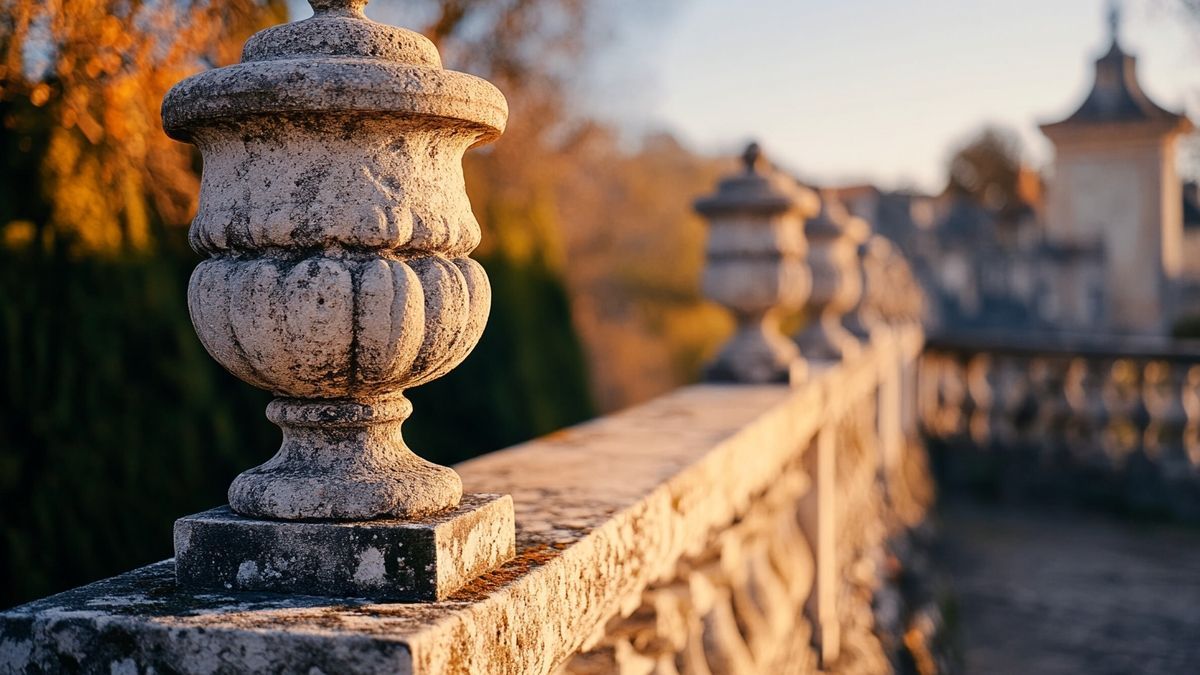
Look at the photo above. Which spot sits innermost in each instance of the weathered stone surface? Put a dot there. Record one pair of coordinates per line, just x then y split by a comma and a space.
737, 606
680, 510
755, 266
423, 560
603, 510
336, 221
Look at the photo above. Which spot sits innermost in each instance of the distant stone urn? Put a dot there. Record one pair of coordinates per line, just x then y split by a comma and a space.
755, 266
833, 239
334, 213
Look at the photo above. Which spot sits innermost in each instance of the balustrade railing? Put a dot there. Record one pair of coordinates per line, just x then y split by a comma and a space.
722, 528
1113, 421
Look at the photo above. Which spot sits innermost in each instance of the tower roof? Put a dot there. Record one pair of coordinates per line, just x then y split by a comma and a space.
1116, 95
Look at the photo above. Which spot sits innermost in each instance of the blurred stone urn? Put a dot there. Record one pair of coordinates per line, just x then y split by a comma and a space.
335, 219
862, 319
833, 239
755, 266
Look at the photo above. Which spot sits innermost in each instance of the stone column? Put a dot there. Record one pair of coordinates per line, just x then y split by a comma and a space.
836, 281
336, 225
756, 266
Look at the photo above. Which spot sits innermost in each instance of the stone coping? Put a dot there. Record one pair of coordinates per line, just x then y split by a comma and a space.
603, 509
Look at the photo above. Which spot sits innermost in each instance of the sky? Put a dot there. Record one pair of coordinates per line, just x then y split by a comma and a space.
877, 90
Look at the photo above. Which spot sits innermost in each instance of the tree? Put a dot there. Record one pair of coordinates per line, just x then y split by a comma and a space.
987, 169
87, 163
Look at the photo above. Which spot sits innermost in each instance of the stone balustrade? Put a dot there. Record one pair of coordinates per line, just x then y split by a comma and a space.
1112, 421
721, 528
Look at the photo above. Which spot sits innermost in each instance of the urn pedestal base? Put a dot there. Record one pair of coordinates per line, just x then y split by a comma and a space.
385, 559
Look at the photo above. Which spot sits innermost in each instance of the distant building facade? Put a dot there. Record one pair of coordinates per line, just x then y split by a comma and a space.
1115, 185
1113, 245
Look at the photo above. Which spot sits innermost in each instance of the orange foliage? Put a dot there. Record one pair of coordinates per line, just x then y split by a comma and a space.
86, 77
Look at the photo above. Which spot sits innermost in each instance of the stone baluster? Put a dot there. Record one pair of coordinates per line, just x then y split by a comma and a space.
755, 266
833, 237
1048, 375
1163, 392
1011, 399
952, 396
1123, 399
1085, 386
337, 229
1191, 405
1097, 384
981, 386
928, 374
967, 406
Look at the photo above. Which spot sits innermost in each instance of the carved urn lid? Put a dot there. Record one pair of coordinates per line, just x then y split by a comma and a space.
337, 62
758, 188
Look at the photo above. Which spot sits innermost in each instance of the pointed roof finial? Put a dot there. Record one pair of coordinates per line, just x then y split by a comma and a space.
1114, 20
751, 156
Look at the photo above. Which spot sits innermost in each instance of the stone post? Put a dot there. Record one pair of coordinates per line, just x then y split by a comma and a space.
833, 237
756, 266
336, 225
862, 318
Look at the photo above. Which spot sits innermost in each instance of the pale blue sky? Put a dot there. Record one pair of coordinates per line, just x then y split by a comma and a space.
879, 90
865, 90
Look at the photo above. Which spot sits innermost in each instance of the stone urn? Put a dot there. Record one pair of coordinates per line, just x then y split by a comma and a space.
755, 266
337, 229
861, 320
833, 239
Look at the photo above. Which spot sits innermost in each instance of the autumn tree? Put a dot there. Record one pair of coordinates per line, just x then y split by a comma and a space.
80, 86
989, 170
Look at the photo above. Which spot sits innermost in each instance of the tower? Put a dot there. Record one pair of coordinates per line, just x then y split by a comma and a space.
1115, 185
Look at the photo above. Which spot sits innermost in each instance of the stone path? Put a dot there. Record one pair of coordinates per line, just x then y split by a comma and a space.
1056, 592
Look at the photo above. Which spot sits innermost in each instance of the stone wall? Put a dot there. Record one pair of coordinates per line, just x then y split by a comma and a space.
718, 529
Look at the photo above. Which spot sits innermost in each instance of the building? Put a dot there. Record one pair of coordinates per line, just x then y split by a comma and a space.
1115, 186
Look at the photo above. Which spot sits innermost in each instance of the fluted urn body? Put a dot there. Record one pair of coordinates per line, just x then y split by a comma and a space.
833, 239
755, 267
335, 219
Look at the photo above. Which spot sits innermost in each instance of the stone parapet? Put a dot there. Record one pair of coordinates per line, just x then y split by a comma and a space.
720, 528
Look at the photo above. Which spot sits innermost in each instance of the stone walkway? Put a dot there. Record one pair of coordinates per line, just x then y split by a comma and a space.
1056, 592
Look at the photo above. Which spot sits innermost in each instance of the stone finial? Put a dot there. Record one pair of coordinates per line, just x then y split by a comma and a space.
336, 225
833, 240
1114, 20
755, 266
751, 156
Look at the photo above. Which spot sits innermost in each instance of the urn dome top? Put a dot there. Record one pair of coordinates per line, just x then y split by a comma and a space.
339, 28
337, 62
758, 188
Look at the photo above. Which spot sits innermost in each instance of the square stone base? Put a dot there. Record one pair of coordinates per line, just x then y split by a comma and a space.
385, 559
